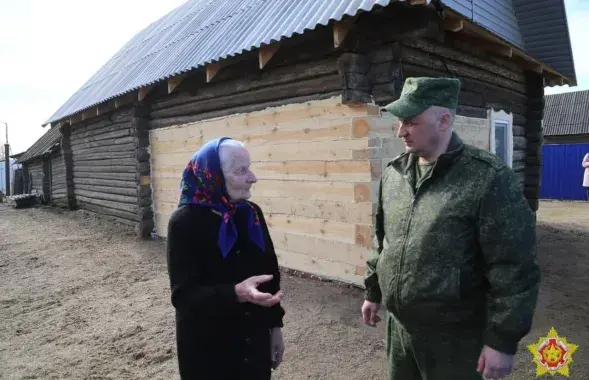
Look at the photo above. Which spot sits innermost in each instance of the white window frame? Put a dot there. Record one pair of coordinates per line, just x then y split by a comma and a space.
505, 118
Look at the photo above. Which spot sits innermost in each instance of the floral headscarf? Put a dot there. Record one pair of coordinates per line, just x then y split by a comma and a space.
203, 184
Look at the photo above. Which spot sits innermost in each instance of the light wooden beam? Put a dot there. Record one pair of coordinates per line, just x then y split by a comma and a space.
453, 24
212, 69
125, 99
537, 68
340, 31
175, 81
104, 108
90, 113
143, 92
528, 65
499, 49
418, 2
266, 53
515, 53
76, 118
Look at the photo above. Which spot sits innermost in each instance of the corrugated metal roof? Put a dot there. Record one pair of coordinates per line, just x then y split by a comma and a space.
566, 114
544, 28
200, 32
538, 27
42, 146
203, 31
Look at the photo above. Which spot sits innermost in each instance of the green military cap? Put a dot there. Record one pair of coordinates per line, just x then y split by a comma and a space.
420, 93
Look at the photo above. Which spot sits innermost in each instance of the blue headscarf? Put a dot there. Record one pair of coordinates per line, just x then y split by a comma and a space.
203, 184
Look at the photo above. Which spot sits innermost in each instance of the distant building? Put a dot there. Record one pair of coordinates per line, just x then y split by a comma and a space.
566, 141
44, 169
566, 118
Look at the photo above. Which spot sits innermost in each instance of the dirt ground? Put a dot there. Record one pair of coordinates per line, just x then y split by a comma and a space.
81, 298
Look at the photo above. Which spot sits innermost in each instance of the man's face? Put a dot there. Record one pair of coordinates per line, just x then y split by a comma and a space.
238, 176
422, 133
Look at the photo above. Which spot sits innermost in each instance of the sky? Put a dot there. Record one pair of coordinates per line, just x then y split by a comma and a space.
48, 49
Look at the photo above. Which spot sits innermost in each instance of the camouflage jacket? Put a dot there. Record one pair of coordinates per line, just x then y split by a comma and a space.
460, 250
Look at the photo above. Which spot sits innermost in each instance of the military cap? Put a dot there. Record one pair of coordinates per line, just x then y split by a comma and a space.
420, 93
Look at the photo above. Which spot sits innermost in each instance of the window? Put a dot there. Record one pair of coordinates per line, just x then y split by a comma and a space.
501, 139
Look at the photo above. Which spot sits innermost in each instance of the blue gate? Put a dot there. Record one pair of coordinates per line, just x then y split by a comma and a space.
562, 173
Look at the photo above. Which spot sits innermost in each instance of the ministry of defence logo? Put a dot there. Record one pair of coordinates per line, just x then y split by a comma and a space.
552, 354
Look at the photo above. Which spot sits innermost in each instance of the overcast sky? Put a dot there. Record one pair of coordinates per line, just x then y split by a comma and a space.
48, 49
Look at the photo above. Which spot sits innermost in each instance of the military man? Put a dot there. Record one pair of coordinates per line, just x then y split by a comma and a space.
453, 261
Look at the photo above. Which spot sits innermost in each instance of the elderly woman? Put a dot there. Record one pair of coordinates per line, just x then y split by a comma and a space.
224, 275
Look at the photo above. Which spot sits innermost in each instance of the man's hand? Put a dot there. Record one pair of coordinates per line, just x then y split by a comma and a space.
494, 364
247, 291
369, 313
276, 346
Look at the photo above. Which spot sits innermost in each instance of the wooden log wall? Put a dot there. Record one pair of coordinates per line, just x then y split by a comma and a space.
68, 161
27, 183
47, 179
35, 169
105, 166
379, 68
140, 131
486, 83
58, 181
384, 145
314, 180
303, 69
534, 138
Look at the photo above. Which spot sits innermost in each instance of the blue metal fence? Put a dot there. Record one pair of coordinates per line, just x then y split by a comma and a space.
562, 174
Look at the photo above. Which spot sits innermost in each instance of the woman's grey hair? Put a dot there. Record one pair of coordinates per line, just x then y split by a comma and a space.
225, 147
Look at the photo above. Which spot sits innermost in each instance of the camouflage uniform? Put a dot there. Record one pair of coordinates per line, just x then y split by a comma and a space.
453, 261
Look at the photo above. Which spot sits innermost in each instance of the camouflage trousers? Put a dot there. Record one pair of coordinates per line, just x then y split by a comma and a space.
432, 355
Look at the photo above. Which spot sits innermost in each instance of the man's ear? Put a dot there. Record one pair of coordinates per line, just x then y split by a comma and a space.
445, 121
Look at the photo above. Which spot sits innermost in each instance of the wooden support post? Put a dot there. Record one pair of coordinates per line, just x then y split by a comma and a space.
533, 130
266, 53
125, 99
453, 24
212, 69
66, 149
76, 118
7, 166
90, 113
143, 92
175, 81
340, 31
502, 50
145, 217
101, 109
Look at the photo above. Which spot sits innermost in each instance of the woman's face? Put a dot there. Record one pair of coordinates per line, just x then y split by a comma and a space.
239, 178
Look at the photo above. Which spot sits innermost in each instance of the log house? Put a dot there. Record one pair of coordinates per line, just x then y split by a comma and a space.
307, 102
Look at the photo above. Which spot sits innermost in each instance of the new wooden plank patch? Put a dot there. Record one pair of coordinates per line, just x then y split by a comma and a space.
328, 249
318, 266
348, 212
321, 228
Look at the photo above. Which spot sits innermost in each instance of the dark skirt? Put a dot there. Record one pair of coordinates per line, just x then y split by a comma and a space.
237, 350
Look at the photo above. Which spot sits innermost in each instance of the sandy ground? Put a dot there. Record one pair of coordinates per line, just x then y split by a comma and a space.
82, 299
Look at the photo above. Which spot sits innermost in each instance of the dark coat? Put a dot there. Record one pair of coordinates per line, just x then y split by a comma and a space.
218, 337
